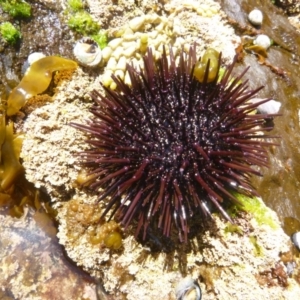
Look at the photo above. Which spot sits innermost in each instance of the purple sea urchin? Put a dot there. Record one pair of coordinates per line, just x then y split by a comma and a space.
169, 144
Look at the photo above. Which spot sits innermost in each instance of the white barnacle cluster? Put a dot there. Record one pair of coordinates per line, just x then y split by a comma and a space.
131, 43
151, 30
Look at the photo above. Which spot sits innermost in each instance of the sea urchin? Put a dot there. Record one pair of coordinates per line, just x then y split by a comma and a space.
167, 145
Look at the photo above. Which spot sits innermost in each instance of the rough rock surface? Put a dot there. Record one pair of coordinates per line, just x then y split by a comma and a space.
226, 265
32, 265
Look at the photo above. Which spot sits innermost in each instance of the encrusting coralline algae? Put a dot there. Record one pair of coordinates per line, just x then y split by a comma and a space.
225, 264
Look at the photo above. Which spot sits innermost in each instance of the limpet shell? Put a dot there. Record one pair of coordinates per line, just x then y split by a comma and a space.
255, 17
87, 52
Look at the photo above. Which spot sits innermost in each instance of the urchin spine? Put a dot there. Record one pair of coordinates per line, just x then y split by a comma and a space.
168, 143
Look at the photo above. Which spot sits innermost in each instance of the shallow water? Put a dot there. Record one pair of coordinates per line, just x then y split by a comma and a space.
280, 184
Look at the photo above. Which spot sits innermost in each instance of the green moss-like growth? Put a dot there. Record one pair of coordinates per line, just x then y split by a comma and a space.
100, 39
258, 250
257, 208
75, 5
16, 8
232, 228
9, 33
83, 23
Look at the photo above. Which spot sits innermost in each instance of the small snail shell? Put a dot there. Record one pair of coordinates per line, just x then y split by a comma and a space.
87, 52
255, 17
270, 107
262, 40
296, 240
188, 289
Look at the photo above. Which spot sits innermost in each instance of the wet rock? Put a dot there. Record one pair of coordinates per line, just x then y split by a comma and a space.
275, 24
46, 31
33, 266
280, 184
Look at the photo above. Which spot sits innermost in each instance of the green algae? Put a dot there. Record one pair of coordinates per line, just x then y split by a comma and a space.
258, 250
83, 23
16, 8
255, 206
101, 39
39, 72
10, 167
9, 33
233, 228
75, 5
